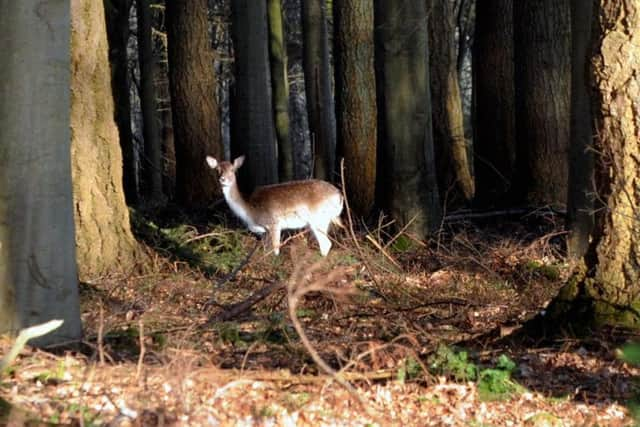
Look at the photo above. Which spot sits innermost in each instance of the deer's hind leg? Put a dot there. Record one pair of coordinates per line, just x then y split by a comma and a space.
320, 230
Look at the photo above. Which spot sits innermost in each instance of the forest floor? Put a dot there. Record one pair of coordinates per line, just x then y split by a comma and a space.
411, 334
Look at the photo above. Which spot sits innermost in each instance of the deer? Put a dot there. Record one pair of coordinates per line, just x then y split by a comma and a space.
289, 205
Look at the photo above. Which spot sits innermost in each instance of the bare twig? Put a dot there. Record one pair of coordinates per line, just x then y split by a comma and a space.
142, 350
238, 308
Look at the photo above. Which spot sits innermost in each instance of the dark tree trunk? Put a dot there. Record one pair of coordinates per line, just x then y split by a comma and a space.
356, 100
542, 45
494, 142
117, 14
252, 128
408, 143
317, 74
195, 112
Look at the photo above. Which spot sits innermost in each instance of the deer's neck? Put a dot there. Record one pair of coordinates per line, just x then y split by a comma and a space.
241, 208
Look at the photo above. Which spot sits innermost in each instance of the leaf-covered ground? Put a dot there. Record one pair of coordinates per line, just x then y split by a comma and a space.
419, 334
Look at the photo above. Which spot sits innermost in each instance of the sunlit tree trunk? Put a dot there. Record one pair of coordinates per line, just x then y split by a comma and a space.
195, 110
356, 110
38, 277
409, 170
103, 233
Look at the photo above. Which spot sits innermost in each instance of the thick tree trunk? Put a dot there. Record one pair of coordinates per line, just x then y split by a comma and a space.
542, 45
152, 160
280, 87
195, 110
117, 12
581, 191
103, 233
356, 100
317, 75
408, 144
453, 169
252, 132
38, 277
494, 142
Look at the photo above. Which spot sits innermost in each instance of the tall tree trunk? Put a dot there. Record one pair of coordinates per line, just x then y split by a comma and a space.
542, 43
117, 13
317, 74
38, 277
252, 132
280, 87
356, 110
408, 144
494, 141
195, 110
580, 197
452, 164
609, 293
152, 160
103, 233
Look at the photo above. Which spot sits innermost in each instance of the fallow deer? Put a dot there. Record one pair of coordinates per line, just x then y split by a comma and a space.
290, 205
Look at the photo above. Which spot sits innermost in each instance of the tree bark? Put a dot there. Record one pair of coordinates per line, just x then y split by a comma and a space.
453, 169
252, 132
542, 43
356, 109
104, 241
581, 191
280, 87
38, 276
408, 143
494, 142
195, 110
317, 74
117, 13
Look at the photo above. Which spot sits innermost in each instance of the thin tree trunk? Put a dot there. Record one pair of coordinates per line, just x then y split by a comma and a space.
280, 87
356, 100
118, 12
253, 132
448, 122
494, 142
408, 144
38, 276
152, 160
104, 240
317, 74
195, 110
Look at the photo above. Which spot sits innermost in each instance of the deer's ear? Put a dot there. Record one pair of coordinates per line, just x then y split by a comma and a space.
212, 162
238, 162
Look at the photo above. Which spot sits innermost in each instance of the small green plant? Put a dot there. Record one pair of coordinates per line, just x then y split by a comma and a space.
551, 272
447, 361
409, 369
496, 383
630, 353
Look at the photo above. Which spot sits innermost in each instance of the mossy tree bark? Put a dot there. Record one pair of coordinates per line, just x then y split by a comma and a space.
609, 292
317, 78
252, 126
356, 109
542, 46
494, 142
453, 169
38, 277
409, 167
103, 233
195, 111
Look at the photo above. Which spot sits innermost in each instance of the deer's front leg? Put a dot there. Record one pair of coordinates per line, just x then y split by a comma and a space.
274, 236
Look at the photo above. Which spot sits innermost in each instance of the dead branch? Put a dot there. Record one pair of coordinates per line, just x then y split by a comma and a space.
234, 310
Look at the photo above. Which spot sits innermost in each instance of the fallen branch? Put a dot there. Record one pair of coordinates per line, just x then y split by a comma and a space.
234, 310
26, 335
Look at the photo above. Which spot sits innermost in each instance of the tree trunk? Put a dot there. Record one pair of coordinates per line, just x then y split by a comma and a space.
38, 277
494, 142
542, 43
117, 12
195, 110
252, 132
453, 169
317, 74
280, 87
103, 234
408, 144
609, 292
581, 191
152, 159
356, 100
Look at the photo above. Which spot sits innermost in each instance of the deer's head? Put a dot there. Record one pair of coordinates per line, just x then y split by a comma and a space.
226, 170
